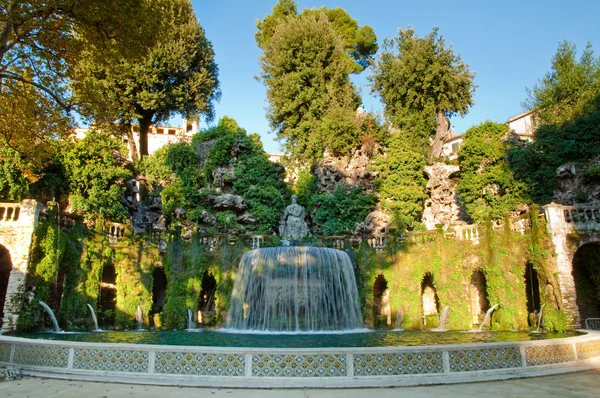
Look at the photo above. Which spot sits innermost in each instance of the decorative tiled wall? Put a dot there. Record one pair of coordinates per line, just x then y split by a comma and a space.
201, 364
110, 360
588, 349
5, 352
547, 354
484, 359
403, 363
36, 355
298, 365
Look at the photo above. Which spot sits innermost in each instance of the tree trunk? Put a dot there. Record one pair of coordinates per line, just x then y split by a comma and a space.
128, 132
442, 132
145, 123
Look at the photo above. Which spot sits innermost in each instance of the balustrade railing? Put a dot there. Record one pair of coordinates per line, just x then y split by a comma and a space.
9, 212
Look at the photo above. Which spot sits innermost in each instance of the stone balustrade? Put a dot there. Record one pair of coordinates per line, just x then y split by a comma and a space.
582, 218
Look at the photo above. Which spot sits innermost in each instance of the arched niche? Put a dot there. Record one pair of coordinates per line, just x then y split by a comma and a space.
206, 301
586, 275
5, 269
478, 296
429, 299
381, 304
107, 299
532, 293
159, 290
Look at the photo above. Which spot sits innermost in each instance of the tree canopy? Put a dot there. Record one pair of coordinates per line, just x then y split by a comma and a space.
312, 101
488, 187
569, 88
422, 83
39, 40
175, 74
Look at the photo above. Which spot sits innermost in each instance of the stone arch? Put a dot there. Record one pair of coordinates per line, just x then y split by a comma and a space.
206, 301
586, 277
430, 303
159, 290
381, 304
6, 267
107, 299
478, 296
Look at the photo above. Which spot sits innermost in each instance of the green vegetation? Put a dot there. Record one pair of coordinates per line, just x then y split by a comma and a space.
339, 212
488, 187
306, 64
420, 80
401, 182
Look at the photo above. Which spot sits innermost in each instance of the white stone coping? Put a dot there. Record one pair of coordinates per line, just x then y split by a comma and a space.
556, 355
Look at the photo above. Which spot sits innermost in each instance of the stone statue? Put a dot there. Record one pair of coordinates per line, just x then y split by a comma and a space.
292, 225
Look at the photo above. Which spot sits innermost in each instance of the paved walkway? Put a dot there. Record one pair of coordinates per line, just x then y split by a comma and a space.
580, 384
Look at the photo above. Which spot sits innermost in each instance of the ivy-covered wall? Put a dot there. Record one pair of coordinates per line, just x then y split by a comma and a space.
72, 280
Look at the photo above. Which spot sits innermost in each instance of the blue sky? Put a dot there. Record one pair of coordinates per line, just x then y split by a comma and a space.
508, 44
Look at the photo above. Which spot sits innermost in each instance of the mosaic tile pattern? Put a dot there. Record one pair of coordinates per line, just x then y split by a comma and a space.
110, 360
5, 352
402, 363
204, 364
546, 354
299, 365
53, 356
484, 359
588, 349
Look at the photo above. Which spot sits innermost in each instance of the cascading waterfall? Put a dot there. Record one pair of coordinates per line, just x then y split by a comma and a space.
51, 314
96, 328
294, 289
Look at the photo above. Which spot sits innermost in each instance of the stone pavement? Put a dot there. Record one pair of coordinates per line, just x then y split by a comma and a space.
579, 384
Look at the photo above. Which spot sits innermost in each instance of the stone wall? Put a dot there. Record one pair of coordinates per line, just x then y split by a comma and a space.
17, 224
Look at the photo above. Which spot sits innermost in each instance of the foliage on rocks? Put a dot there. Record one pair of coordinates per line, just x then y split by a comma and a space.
488, 187
422, 83
95, 169
338, 213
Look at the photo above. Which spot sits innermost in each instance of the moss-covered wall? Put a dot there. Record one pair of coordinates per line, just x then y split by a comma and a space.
501, 256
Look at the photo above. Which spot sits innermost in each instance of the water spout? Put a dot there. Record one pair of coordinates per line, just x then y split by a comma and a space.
539, 320
487, 316
139, 317
190, 320
294, 289
398, 321
443, 320
51, 314
96, 328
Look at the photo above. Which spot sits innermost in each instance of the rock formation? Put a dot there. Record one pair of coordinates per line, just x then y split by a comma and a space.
442, 207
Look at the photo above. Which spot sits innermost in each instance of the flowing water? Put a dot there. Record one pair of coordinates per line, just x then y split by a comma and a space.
96, 328
289, 289
486, 318
51, 314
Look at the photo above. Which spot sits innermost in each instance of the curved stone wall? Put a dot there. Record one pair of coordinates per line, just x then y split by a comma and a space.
329, 367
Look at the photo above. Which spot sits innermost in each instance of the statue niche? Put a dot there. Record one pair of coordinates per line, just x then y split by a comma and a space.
292, 226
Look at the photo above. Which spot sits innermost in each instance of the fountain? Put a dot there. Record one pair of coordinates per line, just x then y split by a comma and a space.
398, 321
139, 317
51, 314
294, 288
96, 328
539, 319
486, 318
443, 320
190, 320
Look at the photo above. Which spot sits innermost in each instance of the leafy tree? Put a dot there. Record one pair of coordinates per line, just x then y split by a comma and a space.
176, 74
360, 42
569, 88
339, 212
488, 186
312, 101
422, 83
96, 173
38, 42
575, 140
13, 186
401, 183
